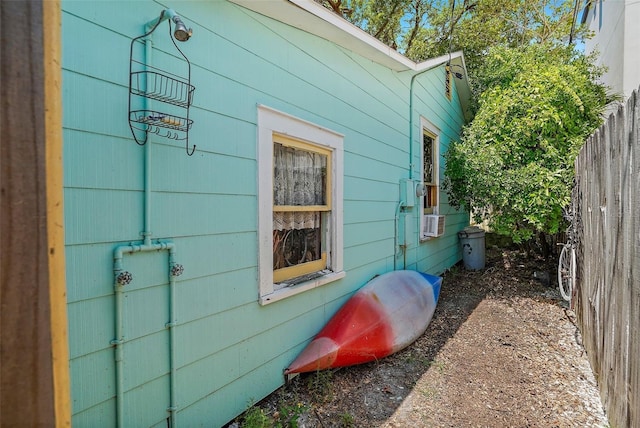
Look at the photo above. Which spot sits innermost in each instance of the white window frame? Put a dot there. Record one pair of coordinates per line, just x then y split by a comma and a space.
430, 128
270, 122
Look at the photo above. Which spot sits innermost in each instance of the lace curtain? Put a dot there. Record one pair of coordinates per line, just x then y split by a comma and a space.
299, 178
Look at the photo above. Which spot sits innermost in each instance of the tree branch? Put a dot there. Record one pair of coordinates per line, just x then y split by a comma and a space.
388, 19
417, 21
336, 5
466, 7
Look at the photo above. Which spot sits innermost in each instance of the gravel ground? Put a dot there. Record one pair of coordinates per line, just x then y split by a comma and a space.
502, 350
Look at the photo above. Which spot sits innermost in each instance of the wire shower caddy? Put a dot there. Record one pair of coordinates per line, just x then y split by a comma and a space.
147, 81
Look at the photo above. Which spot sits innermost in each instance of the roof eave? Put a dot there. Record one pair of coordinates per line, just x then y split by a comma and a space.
315, 19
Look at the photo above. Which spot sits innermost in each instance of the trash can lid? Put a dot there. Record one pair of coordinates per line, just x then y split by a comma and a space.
471, 232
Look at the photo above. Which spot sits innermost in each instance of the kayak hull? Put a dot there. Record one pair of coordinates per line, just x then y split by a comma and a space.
386, 315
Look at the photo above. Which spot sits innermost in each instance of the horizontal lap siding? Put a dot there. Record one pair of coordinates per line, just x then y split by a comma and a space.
230, 350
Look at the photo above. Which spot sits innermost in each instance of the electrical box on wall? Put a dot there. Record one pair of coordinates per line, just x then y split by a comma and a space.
408, 192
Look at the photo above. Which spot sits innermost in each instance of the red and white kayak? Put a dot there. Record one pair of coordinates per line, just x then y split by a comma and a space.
386, 315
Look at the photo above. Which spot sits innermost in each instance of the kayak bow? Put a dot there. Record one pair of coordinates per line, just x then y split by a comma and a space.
386, 315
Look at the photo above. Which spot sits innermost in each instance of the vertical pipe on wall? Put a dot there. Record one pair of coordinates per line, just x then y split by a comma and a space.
122, 278
402, 203
118, 342
396, 241
171, 325
411, 126
147, 229
146, 232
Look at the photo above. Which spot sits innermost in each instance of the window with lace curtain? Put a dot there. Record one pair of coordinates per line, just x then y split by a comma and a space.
300, 205
300, 202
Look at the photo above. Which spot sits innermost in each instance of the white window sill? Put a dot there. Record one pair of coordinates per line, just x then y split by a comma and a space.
429, 238
292, 290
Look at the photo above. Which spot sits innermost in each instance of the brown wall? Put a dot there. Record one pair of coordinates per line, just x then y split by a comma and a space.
34, 363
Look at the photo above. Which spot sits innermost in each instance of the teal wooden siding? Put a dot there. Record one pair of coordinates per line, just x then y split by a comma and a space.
230, 350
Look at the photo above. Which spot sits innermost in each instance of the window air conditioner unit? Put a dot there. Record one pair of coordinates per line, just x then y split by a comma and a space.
433, 225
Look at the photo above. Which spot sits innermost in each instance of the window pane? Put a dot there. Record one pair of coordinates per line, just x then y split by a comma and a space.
292, 247
427, 144
299, 176
430, 197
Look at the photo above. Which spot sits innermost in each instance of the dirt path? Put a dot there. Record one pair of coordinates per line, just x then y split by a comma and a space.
502, 350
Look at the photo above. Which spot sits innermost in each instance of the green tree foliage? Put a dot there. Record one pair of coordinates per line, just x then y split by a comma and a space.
534, 98
514, 163
477, 25
383, 19
422, 29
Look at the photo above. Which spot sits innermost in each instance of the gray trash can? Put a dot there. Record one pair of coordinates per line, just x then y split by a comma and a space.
472, 241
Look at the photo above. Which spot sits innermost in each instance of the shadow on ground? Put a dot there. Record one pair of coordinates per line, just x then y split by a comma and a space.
501, 350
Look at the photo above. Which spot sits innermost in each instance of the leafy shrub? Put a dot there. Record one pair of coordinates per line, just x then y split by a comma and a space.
514, 164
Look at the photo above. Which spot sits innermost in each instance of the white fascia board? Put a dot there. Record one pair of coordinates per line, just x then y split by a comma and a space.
314, 18
435, 62
356, 38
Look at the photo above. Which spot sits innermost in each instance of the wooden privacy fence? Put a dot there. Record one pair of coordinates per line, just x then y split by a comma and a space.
607, 205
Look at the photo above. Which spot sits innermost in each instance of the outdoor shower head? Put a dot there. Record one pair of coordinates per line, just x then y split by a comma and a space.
181, 33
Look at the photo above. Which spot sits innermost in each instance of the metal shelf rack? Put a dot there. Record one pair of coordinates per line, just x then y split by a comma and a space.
150, 83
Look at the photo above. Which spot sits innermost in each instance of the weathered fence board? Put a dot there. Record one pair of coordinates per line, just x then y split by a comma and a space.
608, 296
